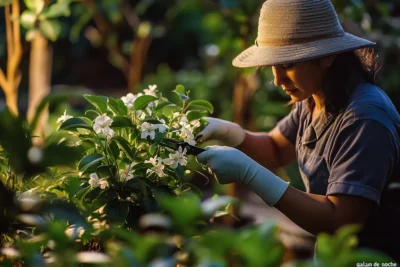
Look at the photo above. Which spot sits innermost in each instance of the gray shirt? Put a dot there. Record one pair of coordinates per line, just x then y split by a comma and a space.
354, 153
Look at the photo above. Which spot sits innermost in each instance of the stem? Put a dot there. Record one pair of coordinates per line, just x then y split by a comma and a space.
13, 182
185, 106
10, 45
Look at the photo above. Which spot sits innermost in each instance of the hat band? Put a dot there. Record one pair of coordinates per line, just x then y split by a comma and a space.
282, 42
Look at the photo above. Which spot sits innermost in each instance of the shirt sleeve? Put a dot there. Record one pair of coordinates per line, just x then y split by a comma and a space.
362, 159
289, 125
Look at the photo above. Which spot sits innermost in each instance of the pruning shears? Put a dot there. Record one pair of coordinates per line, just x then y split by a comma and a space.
175, 145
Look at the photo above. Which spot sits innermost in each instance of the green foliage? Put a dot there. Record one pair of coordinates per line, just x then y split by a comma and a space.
44, 19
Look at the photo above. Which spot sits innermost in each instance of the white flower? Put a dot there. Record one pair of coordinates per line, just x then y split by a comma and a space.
183, 121
103, 183
147, 130
35, 155
151, 91
140, 114
153, 104
195, 124
127, 173
109, 133
161, 126
158, 166
10, 252
187, 135
102, 124
175, 158
94, 180
74, 232
130, 98
149, 111
64, 117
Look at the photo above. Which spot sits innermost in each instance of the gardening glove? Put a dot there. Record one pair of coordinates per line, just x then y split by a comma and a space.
231, 165
229, 133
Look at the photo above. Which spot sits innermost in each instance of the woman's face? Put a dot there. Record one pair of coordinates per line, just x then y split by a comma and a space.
302, 80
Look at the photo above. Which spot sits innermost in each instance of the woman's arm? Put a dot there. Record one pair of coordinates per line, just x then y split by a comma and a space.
318, 213
272, 150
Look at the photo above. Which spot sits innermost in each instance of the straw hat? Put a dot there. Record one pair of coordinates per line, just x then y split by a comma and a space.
291, 31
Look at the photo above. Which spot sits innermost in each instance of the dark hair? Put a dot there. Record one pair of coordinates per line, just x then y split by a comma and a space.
348, 70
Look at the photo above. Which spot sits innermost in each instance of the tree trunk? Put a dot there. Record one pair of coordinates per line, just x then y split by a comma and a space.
39, 83
11, 94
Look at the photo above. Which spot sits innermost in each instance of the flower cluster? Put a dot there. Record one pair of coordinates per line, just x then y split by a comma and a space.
126, 135
95, 181
179, 157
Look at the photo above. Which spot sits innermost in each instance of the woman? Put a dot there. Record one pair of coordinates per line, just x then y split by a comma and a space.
343, 130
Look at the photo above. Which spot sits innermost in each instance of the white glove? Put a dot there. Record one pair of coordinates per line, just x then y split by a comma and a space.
229, 133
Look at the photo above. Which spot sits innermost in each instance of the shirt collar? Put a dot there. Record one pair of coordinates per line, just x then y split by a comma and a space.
316, 128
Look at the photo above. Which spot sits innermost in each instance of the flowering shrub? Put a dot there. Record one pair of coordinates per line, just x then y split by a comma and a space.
124, 164
64, 204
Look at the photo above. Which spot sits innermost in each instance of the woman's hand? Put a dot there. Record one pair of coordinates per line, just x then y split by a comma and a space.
231, 165
229, 133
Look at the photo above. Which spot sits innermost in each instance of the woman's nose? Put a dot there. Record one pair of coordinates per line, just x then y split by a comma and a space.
279, 76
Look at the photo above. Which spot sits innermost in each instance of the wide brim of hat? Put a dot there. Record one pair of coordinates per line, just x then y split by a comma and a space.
256, 56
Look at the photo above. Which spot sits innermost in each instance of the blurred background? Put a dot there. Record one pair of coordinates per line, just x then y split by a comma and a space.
112, 47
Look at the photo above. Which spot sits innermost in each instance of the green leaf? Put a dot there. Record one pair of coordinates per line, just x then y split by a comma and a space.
169, 110
117, 106
89, 161
345, 237
153, 121
114, 149
161, 105
324, 249
61, 154
125, 146
183, 96
74, 123
180, 89
202, 104
99, 102
35, 5
142, 101
185, 210
57, 10
12, 132
153, 149
117, 212
104, 171
194, 115
51, 29
142, 166
121, 122
28, 19
83, 192
5, 2
92, 114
